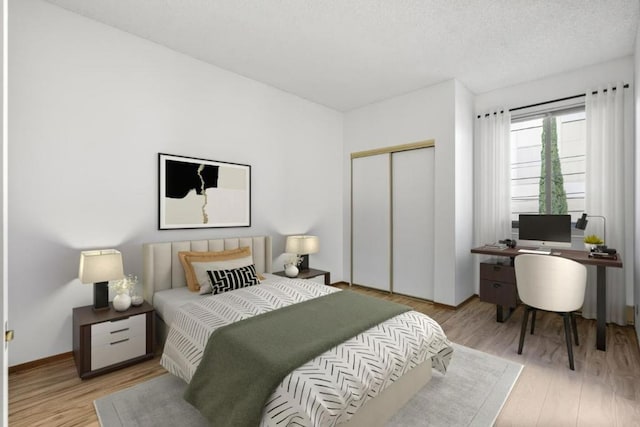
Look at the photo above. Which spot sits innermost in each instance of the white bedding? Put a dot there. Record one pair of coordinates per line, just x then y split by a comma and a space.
351, 373
167, 302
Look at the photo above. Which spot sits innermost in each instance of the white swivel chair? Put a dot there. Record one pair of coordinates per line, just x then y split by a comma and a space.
550, 283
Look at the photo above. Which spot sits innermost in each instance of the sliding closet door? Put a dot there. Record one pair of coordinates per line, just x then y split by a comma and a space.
370, 226
413, 222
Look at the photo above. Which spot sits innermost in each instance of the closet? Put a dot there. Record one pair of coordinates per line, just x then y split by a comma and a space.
392, 219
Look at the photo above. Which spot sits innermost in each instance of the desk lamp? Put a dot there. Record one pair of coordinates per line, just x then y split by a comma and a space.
98, 267
582, 222
302, 245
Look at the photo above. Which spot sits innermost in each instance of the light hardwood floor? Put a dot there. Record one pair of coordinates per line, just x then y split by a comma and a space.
604, 390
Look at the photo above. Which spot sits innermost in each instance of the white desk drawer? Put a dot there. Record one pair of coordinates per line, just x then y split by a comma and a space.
117, 351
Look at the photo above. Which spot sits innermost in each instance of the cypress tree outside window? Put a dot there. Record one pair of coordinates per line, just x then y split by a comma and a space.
548, 172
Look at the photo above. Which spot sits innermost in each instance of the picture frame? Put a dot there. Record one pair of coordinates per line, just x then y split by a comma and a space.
200, 193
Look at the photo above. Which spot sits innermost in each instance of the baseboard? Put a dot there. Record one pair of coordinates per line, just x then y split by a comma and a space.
463, 303
438, 304
37, 363
342, 283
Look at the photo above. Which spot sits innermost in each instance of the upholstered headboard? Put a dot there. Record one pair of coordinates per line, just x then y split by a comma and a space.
163, 270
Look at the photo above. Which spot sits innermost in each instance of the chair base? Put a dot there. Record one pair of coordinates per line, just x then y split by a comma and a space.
569, 325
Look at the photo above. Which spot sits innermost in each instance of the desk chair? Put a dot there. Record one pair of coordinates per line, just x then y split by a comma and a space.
553, 284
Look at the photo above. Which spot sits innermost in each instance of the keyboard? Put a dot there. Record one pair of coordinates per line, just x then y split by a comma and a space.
535, 251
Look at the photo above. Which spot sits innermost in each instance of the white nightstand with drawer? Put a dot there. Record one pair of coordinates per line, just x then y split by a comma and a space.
107, 340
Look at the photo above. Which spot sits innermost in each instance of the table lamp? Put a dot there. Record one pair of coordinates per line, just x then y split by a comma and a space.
98, 267
303, 246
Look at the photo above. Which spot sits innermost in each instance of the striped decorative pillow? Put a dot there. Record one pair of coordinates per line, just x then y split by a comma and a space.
236, 278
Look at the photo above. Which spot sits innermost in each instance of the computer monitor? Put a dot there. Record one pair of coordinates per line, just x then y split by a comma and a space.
545, 230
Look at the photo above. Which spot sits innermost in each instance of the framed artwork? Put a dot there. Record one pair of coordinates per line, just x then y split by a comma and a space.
199, 193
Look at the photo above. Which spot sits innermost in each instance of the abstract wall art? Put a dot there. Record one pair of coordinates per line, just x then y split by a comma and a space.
198, 193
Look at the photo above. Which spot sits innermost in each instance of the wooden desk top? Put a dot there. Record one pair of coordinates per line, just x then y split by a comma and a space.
580, 256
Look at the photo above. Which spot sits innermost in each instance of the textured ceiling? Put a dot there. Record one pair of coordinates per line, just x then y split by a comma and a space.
348, 53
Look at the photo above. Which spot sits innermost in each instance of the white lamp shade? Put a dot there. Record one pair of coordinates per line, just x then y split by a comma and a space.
100, 266
302, 245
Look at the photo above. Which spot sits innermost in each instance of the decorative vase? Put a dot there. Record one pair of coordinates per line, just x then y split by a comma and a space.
122, 302
136, 292
589, 246
291, 270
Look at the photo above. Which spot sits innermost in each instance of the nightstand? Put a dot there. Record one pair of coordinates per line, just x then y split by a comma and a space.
106, 340
309, 274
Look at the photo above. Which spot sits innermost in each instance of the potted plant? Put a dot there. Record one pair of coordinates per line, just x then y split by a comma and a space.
591, 241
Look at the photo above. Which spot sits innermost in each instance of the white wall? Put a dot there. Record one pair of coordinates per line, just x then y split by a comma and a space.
557, 86
4, 356
569, 84
464, 120
429, 113
90, 108
637, 183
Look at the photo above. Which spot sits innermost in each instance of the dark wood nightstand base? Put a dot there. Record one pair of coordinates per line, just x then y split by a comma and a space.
140, 344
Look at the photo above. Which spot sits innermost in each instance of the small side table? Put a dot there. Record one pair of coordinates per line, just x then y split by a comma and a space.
106, 340
309, 274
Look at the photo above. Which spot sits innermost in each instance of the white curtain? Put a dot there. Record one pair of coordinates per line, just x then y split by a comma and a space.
609, 194
492, 178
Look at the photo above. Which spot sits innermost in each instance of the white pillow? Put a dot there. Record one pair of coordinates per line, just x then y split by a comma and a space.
200, 269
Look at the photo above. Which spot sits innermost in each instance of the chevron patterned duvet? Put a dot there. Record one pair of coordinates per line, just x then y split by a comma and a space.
328, 389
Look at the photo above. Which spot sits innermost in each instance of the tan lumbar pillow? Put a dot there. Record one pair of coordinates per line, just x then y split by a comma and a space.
189, 257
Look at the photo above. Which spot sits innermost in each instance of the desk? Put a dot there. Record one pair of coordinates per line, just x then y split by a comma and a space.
583, 258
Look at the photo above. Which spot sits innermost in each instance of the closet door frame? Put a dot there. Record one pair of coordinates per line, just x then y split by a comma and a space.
375, 152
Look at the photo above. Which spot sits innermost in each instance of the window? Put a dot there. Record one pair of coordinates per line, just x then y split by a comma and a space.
548, 164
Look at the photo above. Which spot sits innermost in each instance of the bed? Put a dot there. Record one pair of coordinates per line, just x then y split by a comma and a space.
165, 287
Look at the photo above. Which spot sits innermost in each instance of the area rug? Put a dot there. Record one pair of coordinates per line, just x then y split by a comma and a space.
472, 393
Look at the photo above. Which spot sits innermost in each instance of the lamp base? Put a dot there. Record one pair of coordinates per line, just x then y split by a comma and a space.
100, 296
304, 265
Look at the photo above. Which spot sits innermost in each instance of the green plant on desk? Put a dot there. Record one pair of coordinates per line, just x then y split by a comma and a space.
593, 239
592, 242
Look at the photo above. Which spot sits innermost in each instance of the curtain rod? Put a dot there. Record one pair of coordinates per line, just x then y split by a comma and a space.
595, 92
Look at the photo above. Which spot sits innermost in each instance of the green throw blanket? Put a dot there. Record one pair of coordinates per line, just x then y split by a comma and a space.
244, 362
